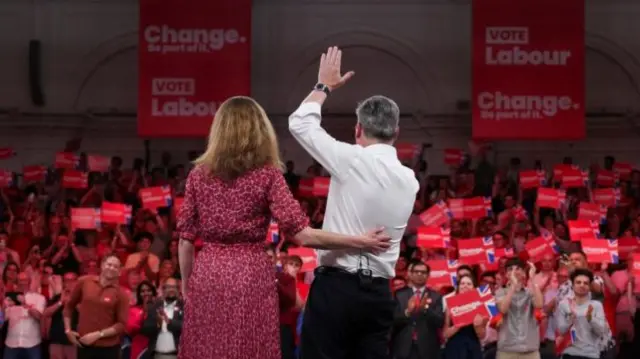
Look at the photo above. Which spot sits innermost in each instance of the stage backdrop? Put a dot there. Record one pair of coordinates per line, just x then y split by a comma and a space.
528, 69
192, 56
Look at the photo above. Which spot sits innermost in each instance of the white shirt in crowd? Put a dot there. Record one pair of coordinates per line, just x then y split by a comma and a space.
165, 342
369, 188
24, 330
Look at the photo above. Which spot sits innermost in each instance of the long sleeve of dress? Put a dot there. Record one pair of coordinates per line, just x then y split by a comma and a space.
188, 220
284, 208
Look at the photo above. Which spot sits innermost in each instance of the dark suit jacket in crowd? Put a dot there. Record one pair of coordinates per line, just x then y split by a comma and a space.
150, 327
427, 323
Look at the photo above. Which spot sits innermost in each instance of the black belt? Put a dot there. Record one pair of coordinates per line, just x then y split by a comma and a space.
339, 272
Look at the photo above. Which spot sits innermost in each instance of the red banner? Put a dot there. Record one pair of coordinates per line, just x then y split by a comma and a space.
115, 213
86, 218
193, 55
528, 69
464, 307
314, 187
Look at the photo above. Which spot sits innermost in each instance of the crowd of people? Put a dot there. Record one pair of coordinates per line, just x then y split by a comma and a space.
43, 255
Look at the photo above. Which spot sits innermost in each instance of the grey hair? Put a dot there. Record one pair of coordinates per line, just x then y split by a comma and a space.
379, 117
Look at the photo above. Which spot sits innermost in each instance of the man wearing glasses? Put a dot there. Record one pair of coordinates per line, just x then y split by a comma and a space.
163, 324
418, 317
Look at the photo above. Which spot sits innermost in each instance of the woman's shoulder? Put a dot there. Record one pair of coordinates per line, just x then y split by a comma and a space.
266, 173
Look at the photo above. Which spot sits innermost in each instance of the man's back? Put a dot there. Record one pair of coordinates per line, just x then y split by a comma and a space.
349, 313
376, 191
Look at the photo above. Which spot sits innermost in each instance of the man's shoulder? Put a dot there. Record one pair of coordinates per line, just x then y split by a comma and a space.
87, 278
404, 290
501, 292
434, 294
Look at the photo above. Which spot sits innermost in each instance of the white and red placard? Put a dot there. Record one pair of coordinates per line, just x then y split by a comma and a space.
600, 250
177, 205
156, 197
528, 64
464, 307
437, 215
574, 178
66, 161
308, 256
635, 267
627, 246
453, 156
532, 179
6, 179
443, 273
470, 208
98, 163
86, 218
6, 152
273, 232
75, 179
592, 212
314, 187
623, 170
33, 174
433, 237
580, 229
478, 251
561, 168
115, 213
609, 197
192, 56
407, 151
538, 248
551, 198
606, 178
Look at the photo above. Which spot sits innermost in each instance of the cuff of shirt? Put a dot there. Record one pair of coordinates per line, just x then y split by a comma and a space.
309, 108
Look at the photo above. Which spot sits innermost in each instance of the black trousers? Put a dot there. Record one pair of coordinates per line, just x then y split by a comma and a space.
346, 317
287, 342
99, 352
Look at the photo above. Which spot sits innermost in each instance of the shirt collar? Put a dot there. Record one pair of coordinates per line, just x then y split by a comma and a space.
382, 149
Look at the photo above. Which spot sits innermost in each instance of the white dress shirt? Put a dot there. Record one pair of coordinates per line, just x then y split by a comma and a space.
24, 330
165, 342
369, 188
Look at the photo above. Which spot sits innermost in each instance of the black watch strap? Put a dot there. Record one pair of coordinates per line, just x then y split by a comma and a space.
322, 87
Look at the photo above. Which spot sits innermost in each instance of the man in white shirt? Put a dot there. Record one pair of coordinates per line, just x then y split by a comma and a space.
349, 312
23, 314
163, 324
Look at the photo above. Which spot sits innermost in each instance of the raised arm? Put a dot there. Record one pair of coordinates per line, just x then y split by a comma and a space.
304, 124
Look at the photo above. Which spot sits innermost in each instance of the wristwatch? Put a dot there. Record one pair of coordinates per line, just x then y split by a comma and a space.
322, 87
